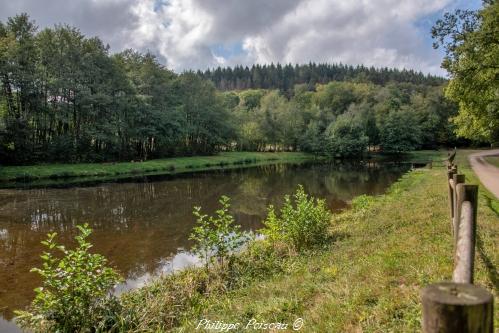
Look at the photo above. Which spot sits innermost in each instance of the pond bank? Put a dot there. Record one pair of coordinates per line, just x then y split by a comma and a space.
368, 278
67, 174
141, 224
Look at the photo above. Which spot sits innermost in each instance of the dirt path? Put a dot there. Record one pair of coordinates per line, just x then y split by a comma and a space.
488, 174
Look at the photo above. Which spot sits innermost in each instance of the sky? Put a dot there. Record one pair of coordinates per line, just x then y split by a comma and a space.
201, 34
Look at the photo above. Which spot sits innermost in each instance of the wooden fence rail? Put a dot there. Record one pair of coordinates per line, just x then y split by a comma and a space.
459, 306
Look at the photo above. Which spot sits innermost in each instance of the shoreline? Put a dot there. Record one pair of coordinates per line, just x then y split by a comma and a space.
89, 174
84, 173
368, 268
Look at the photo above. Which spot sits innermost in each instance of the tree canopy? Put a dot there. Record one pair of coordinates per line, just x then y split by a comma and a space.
285, 77
471, 43
66, 98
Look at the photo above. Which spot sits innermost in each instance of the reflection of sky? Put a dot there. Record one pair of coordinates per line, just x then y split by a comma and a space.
179, 261
8, 326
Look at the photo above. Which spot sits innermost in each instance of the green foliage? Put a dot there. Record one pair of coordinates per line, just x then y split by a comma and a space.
346, 136
302, 222
74, 295
286, 77
362, 202
216, 236
400, 132
472, 60
65, 97
313, 140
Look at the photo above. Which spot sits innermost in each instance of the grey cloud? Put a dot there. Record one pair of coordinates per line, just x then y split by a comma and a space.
236, 18
110, 20
183, 32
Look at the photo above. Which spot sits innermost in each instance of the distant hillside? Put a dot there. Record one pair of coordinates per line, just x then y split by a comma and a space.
285, 77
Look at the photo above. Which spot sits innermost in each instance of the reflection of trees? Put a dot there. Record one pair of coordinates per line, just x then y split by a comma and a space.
137, 225
356, 179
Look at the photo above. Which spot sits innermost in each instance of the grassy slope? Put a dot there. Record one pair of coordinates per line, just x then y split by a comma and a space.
168, 165
370, 278
494, 160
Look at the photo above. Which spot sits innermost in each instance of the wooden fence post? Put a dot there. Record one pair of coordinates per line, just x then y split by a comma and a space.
458, 181
457, 308
450, 175
464, 253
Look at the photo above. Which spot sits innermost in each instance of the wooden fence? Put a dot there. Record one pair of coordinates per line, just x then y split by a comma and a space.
459, 306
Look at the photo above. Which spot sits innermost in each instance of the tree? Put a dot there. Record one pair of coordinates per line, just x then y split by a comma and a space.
471, 43
346, 137
205, 117
312, 139
271, 106
400, 131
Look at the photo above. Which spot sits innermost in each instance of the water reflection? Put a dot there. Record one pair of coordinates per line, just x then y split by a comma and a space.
140, 226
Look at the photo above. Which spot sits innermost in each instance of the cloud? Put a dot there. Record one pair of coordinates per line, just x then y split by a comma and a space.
108, 19
197, 34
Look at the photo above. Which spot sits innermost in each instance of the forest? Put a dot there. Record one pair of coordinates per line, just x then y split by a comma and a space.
66, 98
285, 77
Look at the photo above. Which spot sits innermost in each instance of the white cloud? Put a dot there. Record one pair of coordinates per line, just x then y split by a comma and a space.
184, 33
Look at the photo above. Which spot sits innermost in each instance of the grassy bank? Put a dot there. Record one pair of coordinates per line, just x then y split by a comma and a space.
67, 173
494, 160
366, 278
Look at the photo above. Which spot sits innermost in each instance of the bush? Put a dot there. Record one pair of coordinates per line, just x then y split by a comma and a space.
346, 137
74, 296
216, 236
303, 221
362, 202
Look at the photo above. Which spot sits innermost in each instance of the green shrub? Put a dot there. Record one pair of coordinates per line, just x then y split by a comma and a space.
362, 202
303, 221
216, 237
74, 296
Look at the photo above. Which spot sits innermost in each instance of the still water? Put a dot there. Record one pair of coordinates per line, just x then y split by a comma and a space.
142, 226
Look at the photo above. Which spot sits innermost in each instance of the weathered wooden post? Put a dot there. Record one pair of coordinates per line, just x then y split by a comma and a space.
464, 254
456, 180
457, 308
450, 176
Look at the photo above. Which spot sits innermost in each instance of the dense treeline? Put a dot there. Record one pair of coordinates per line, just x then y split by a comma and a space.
64, 97
286, 77
343, 118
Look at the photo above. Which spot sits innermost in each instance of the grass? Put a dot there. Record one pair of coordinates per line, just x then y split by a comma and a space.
44, 174
68, 174
494, 160
368, 278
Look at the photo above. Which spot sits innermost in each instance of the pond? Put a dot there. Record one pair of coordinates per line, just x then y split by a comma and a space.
142, 225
